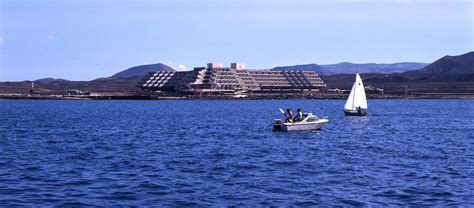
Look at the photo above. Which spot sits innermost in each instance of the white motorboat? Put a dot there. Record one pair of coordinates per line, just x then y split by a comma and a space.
310, 122
356, 104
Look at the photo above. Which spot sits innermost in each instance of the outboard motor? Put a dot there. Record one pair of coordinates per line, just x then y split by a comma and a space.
277, 124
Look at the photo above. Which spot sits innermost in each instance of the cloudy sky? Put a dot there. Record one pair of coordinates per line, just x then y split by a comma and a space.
86, 39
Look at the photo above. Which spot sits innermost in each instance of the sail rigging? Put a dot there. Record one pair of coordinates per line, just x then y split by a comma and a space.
357, 97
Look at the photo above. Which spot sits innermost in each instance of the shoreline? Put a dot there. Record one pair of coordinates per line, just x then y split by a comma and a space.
231, 97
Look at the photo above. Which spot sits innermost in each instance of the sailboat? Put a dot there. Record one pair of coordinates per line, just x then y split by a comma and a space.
356, 104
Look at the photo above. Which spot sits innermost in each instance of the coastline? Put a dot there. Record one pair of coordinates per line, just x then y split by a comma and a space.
293, 96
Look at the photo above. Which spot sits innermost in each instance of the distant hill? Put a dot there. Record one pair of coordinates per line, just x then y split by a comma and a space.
450, 72
142, 70
462, 64
350, 68
304, 67
446, 69
48, 80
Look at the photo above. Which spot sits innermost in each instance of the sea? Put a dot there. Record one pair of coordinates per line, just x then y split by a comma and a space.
225, 153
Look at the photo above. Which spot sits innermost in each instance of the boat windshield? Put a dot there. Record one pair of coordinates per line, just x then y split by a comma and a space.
312, 118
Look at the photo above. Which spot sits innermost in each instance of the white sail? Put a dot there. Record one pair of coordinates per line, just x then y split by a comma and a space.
357, 97
350, 100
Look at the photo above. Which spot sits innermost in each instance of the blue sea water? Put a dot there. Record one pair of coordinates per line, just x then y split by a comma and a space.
224, 152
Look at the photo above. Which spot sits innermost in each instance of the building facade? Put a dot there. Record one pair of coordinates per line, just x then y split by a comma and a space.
216, 78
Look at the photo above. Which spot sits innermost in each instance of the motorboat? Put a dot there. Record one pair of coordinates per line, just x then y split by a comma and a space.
356, 104
310, 122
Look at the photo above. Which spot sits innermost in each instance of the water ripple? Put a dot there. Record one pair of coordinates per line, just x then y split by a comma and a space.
224, 153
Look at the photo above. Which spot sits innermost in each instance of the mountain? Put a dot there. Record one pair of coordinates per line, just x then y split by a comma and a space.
462, 64
350, 68
142, 70
448, 69
305, 67
48, 80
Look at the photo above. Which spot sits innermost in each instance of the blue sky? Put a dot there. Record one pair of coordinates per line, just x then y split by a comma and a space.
86, 39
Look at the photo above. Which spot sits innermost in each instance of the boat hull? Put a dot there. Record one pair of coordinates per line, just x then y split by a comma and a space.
304, 126
355, 113
310, 122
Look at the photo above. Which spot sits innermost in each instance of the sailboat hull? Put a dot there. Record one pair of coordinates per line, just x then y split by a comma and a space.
355, 113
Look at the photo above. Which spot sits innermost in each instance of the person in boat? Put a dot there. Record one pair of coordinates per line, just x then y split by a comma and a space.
299, 115
288, 115
359, 110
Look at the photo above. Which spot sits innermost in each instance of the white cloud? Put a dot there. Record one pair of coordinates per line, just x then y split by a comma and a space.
181, 67
2, 40
51, 37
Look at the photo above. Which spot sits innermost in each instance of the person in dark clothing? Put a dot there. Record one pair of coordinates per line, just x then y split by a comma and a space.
288, 115
299, 115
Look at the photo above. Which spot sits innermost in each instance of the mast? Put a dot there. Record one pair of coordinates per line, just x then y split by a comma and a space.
355, 90
354, 95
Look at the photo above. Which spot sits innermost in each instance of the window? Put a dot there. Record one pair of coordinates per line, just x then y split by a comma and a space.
312, 119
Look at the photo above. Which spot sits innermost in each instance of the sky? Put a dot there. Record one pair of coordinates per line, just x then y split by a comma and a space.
87, 39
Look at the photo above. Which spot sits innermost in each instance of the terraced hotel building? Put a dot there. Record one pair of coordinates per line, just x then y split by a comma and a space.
216, 78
